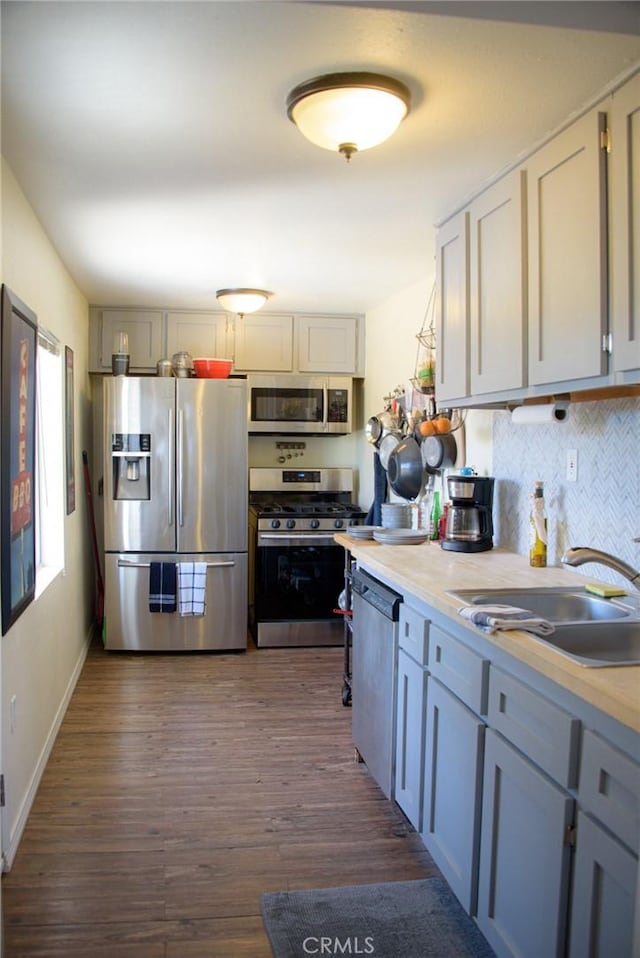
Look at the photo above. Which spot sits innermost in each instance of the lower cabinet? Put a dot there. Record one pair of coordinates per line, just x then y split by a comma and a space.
525, 858
453, 791
410, 716
604, 893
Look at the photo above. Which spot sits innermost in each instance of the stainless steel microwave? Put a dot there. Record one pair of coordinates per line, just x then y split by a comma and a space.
291, 405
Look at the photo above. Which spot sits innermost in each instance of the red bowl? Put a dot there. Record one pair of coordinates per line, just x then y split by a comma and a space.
212, 368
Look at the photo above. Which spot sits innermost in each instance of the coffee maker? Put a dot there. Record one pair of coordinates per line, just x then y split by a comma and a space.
469, 526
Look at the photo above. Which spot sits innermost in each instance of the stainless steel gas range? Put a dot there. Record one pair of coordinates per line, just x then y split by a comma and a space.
296, 571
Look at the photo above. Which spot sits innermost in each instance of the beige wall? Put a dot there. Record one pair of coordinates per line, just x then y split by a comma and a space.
43, 651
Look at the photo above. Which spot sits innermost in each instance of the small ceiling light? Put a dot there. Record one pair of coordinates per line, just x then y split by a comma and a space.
348, 112
241, 300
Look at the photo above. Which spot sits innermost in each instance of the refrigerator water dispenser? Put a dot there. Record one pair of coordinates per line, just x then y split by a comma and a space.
131, 464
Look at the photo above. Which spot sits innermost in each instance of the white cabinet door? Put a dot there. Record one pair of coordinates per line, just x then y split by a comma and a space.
411, 691
264, 343
452, 309
524, 860
566, 189
200, 334
498, 286
624, 125
326, 344
144, 328
453, 791
604, 891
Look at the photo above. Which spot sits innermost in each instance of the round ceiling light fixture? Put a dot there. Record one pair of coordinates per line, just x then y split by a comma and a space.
242, 300
347, 112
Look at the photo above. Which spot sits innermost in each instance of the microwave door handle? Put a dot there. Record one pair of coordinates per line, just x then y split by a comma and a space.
179, 471
325, 407
170, 485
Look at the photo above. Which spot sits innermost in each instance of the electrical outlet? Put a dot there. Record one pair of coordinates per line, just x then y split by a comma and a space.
572, 465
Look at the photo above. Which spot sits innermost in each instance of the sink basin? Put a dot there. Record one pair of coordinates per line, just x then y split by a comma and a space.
557, 605
597, 645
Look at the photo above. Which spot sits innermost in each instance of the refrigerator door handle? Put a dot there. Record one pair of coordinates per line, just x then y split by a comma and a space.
179, 452
124, 564
170, 464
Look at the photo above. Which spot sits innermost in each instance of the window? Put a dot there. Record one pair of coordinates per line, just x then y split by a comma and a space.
49, 461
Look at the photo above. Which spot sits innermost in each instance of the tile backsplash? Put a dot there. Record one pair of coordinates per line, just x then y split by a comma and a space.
601, 509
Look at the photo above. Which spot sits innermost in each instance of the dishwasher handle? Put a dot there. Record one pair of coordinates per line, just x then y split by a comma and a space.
378, 595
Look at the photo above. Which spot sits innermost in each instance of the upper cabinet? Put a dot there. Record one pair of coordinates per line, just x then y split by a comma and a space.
144, 329
498, 308
327, 344
624, 199
551, 305
264, 342
201, 334
452, 309
568, 254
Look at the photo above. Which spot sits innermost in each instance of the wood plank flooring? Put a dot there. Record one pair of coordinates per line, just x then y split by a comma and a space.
182, 787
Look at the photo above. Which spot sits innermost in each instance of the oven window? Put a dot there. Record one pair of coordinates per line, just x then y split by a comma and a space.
286, 405
298, 582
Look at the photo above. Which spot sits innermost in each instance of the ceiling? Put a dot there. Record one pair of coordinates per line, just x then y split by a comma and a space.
153, 143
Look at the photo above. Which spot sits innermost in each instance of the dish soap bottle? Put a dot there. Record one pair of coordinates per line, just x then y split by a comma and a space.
538, 527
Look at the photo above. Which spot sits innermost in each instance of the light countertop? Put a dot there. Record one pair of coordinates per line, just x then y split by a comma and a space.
428, 572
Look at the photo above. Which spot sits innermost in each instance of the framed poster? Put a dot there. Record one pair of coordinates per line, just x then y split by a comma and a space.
17, 457
69, 430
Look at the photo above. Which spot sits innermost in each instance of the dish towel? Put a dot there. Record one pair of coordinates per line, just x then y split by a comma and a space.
162, 587
374, 515
192, 580
494, 618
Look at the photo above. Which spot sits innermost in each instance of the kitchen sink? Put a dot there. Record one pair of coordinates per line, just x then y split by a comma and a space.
591, 631
597, 644
557, 605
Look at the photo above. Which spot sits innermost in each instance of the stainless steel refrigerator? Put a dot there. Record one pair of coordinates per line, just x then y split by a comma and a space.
175, 490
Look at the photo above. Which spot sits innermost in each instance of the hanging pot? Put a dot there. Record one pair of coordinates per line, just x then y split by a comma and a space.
386, 446
373, 430
405, 469
439, 452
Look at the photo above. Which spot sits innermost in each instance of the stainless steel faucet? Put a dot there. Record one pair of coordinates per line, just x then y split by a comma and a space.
580, 554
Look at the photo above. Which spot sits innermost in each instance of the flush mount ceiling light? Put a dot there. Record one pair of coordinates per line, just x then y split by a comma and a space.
241, 300
347, 112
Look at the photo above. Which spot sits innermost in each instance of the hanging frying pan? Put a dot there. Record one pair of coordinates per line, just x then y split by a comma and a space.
386, 446
405, 469
438, 452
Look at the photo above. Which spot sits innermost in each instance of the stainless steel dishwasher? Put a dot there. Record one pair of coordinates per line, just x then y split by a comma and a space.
373, 665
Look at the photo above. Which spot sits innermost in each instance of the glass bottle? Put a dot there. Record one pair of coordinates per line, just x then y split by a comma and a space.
538, 527
435, 516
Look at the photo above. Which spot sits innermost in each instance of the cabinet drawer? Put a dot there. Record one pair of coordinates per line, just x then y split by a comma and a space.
610, 788
544, 732
414, 634
460, 669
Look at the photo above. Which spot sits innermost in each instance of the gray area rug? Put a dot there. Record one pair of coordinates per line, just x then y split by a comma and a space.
406, 919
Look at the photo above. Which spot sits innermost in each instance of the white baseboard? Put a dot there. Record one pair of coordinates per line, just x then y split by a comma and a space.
9, 853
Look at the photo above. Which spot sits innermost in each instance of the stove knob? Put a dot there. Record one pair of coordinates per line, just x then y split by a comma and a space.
315, 523
338, 523
275, 523
291, 523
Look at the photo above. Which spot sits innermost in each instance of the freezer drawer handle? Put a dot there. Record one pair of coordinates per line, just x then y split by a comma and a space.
146, 565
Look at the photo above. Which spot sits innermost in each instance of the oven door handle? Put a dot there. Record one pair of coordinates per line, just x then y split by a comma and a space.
283, 536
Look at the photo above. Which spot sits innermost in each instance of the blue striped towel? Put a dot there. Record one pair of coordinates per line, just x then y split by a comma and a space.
192, 581
162, 587
495, 618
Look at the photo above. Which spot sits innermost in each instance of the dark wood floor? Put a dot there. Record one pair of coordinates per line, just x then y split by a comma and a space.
180, 789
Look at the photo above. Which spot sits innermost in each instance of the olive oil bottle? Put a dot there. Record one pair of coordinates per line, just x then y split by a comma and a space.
538, 527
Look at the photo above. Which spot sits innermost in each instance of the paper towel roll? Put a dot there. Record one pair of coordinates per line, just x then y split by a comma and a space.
547, 412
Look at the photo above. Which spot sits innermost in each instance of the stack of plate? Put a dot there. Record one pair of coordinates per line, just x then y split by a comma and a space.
400, 537
396, 515
361, 532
